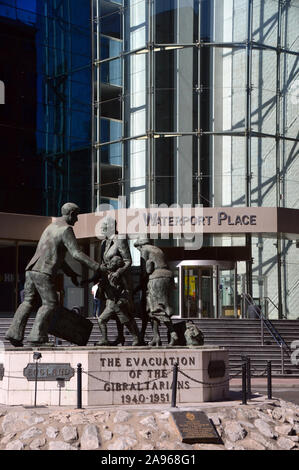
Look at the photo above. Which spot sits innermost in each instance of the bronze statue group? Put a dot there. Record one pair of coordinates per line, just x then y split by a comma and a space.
111, 273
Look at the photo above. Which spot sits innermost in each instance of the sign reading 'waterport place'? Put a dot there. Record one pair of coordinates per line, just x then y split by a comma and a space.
162, 221
223, 218
267, 221
189, 220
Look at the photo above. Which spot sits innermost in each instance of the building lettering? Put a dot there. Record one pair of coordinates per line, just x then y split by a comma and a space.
149, 378
144, 386
159, 361
236, 220
223, 218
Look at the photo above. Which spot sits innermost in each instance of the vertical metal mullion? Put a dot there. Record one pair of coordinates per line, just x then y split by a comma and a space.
248, 105
278, 163
211, 120
153, 103
53, 78
47, 108
93, 152
199, 181
63, 110
283, 184
122, 98
150, 127
181, 292
278, 55
236, 290
248, 135
98, 113
218, 313
69, 102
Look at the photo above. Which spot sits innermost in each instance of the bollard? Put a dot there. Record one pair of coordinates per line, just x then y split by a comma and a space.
79, 386
174, 385
244, 391
248, 364
36, 357
282, 359
269, 379
35, 383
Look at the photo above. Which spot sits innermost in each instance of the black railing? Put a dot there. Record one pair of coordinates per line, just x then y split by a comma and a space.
266, 323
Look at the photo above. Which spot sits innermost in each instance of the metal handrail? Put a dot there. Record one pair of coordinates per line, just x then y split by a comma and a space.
274, 305
271, 329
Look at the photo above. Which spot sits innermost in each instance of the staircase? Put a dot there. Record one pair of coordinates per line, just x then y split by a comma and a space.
243, 338
240, 337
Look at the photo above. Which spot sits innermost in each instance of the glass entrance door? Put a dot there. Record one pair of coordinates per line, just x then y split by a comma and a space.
197, 291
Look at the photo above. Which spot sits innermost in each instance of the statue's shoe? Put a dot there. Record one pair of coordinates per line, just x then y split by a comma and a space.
174, 339
103, 342
155, 342
15, 342
119, 340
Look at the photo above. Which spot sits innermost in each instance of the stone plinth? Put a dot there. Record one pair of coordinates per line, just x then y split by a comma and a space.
118, 376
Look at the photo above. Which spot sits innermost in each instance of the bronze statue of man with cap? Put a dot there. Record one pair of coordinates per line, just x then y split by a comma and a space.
115, 282
56, 240
159, 286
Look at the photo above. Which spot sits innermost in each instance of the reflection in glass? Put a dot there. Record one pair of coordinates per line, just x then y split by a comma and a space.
110, 130
112, 154
111, 72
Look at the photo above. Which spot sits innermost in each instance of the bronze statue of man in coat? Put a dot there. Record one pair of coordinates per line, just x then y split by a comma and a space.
56, 240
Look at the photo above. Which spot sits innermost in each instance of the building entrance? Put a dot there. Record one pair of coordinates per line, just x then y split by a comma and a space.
197, 291
214, 289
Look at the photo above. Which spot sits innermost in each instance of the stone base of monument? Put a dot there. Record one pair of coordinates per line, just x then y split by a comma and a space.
114, 376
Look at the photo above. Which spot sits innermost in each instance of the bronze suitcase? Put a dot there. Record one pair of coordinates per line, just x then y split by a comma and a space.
70, 326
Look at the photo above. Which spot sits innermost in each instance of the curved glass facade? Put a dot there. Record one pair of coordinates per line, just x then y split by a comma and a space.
199, 101
200, 91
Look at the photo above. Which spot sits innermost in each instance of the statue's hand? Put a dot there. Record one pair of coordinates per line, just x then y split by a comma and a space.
113, 276
103, 268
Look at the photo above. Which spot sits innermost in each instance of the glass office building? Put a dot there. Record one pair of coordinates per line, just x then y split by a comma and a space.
45, 123
195, 102
48, 48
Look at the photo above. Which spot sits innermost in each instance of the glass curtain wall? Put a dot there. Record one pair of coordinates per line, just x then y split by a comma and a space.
202, 107
107, 40
192, 99
46, 53
64, 113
